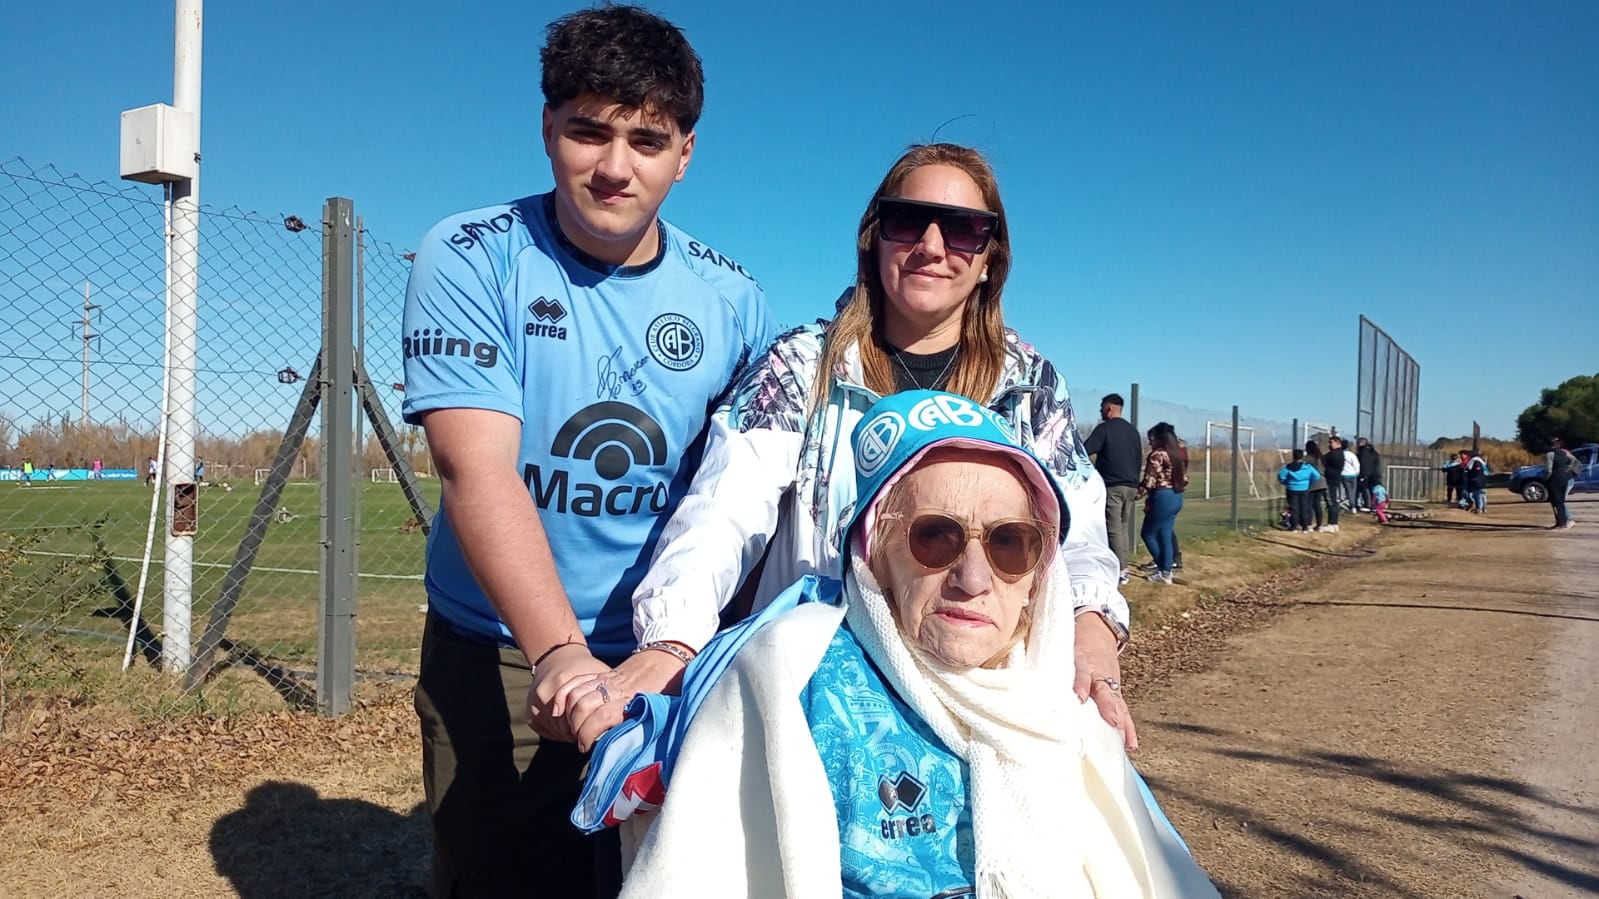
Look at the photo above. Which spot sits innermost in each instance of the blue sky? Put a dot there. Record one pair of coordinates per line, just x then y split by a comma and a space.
1204, 200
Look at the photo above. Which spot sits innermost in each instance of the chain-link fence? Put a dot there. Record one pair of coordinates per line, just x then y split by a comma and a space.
84, 517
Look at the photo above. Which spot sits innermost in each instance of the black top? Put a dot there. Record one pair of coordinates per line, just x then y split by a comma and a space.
1332, 463
916, 371
1116, 449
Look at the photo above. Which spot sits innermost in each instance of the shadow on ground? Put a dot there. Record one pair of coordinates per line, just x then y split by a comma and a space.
289, 842
1411, 806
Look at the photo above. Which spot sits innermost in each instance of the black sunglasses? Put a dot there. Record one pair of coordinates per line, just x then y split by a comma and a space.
964, 230
1015, 546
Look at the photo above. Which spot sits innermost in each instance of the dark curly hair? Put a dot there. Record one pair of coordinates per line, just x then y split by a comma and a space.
625, 54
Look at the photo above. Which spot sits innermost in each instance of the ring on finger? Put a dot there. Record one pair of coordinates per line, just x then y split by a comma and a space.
605, 695
1111, 682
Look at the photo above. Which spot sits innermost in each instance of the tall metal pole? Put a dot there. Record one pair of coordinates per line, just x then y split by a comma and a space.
335, 670
178, 592
1235, 469
83, 421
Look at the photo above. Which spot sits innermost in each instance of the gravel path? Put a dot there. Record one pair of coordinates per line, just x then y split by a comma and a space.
1418, 724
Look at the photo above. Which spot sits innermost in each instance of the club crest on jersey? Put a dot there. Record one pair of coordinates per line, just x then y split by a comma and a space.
611, 437
675, 342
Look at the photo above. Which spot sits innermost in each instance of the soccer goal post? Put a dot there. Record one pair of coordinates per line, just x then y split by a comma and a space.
384, 476
1248, 472
261, 475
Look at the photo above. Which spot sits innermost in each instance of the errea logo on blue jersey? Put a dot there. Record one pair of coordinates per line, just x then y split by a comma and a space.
613, 437
903, 793
547, 315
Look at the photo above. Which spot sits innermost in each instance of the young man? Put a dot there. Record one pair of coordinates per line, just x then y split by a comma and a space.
1118, 455
562, 352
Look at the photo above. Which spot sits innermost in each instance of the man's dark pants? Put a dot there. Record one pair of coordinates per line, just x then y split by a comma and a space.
499, 798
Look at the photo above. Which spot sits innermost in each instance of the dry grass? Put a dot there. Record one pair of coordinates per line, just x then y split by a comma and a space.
94, 801
231, 796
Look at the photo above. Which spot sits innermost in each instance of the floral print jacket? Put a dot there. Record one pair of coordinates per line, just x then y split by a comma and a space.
777, 482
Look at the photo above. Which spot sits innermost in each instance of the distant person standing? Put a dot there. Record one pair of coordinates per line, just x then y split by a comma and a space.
1116, 449
1350, 474
27, 472
1297, 478
1370, 471
1477, 482
1561, 465
149, 478
96, 470
1165, 478
1319, 494
1332, 469
1454, 482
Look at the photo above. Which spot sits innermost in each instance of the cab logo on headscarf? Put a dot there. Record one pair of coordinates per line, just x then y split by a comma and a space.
877, 442
935, 412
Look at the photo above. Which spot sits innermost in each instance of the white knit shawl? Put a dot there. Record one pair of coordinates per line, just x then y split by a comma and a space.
1056, 810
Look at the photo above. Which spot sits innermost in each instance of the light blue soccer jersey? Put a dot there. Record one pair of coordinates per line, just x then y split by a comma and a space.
902, 798
613, 372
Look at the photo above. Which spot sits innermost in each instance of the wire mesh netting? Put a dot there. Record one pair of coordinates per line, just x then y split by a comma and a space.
87, 484
83, 292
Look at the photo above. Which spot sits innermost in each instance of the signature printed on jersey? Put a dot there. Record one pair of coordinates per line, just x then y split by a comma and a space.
616, 376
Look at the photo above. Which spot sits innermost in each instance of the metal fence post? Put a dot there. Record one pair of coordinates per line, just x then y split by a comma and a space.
335, 676
1235, 469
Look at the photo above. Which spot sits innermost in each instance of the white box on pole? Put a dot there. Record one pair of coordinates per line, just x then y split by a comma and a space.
159, 144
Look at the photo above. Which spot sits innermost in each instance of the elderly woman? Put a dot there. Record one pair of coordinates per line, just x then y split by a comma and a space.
933, 254
907, 734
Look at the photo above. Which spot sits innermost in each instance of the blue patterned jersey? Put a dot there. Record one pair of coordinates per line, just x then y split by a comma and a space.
904, 821
612, 370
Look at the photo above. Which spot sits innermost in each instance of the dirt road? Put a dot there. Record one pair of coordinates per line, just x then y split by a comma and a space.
1420, 724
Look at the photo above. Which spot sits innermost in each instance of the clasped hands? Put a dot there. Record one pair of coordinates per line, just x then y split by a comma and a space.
575, 697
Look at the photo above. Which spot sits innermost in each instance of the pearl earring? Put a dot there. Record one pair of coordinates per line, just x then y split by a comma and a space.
983, 277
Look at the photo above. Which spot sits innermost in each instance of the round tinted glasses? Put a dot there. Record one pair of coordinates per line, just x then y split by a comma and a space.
1015, 547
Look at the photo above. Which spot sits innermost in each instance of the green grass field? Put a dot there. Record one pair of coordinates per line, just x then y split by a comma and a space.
71, 553
74, 549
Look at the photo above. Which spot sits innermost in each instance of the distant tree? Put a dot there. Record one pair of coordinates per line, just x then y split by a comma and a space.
1570, 412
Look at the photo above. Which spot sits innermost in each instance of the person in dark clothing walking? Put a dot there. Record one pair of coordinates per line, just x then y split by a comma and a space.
1117, 453
1370, 471
1560, 464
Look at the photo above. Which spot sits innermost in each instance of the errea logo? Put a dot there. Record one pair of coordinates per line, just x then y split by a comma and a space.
546, 314
903, 793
